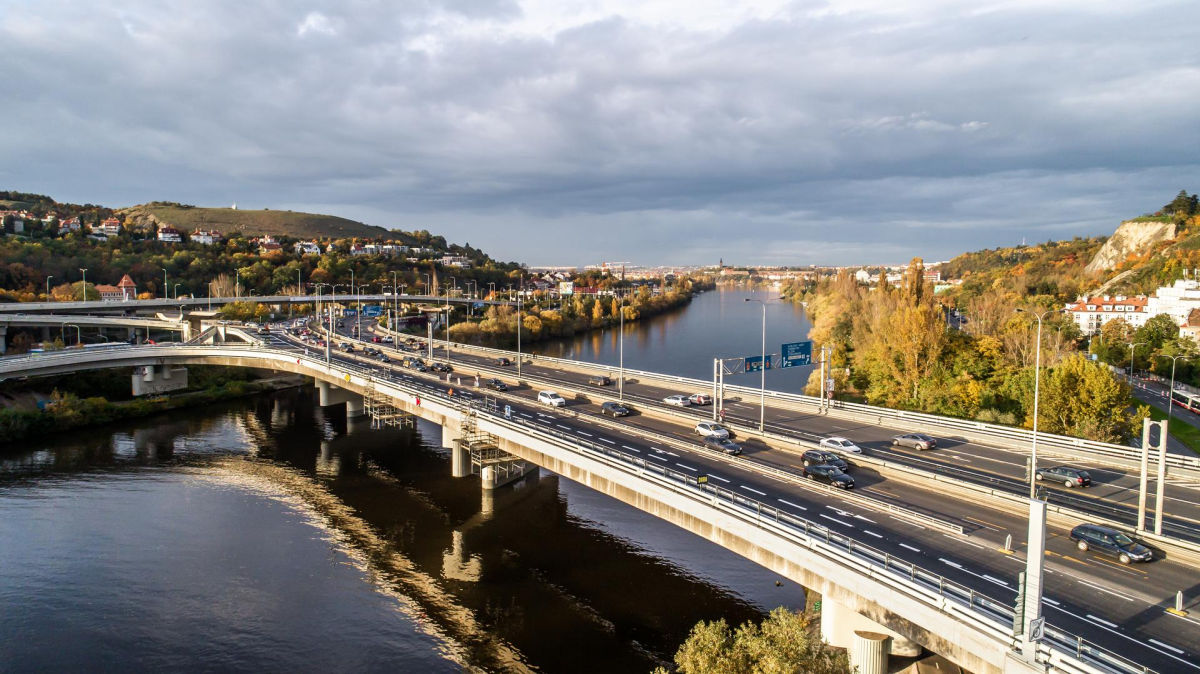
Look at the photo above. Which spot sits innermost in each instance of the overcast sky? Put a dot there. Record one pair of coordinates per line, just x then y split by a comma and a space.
648, 131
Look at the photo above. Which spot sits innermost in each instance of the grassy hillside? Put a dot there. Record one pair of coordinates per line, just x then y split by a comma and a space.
253, 223
1053, 269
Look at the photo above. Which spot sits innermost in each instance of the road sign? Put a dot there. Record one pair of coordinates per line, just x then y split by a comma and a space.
373, 310
755, 363
795, 354
703, 479
1037, 628
348, 313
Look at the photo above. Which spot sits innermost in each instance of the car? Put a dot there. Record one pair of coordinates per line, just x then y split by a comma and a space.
914, 440
820, 457
388, 340
551, 398
503, 361
840, 444
709, 429
614, 409
375, 339
441, 367
384, 359
677, 400
724, 444
264, 330
700, 399
343, 345
599, 380
831, 475
1111, 542
1067, 475
497, 385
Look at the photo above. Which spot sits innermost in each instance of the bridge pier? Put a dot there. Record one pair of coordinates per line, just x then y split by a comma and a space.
493, 476
863, 638
3, 339
330, 394
149, 379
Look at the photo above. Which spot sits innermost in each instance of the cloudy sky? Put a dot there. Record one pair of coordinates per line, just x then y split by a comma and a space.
675, 131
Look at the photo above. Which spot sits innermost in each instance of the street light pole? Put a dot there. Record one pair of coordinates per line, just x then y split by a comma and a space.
166, 288
621, 353
177, 290
84, 270
518, 333
762, 393
1171, 391
1131, 347
1037, 371
48, 287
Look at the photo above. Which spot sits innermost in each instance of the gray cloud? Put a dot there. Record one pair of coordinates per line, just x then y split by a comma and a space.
798, 133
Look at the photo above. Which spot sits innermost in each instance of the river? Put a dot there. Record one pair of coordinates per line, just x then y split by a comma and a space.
268, 534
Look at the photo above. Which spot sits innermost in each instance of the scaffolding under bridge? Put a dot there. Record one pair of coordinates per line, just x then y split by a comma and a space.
383, 411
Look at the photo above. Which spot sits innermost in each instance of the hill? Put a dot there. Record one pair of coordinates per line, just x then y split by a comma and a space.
1053, 269
251, 223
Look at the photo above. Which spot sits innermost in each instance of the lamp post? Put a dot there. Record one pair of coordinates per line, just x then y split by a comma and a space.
426, 283
395, 302
762, 392
1131, 346
621, 352
1171, 391
78, 333
1037, 371
166, 288
48, 287
237, 286
84, 271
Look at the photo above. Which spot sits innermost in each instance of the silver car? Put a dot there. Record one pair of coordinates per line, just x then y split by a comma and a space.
914, 440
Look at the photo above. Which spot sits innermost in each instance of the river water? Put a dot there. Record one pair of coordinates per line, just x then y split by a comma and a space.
272, 534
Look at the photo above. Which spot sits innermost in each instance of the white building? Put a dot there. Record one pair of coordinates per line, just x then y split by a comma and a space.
206, 237
456, 261
1091, 313
1177, 300
168, 234
308, 248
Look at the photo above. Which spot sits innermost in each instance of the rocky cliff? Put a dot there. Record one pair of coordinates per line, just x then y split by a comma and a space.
1132, 237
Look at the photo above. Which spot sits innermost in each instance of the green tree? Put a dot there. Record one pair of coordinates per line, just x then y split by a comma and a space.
1157, 331
784, 643
1084, 399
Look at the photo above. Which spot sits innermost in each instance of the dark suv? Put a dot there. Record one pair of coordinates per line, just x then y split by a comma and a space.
614, 409
1108, 541
820, 457
829, 475
1068, 476
497, 385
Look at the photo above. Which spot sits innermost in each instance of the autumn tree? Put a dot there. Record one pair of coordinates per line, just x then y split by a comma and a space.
784, 643
1084, 399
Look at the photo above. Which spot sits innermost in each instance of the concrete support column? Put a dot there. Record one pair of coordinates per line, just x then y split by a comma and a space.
460, 460
46, 334
3, 339
354, 406
450, 433
323, 393
838, 625
869, 652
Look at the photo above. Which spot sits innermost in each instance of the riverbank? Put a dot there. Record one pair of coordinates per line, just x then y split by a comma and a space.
68, 411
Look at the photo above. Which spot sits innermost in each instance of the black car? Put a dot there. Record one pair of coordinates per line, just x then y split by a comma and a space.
914, 440
599, 380
497, 384
384, 359
1108, 541
441, 367
503, 361
614, 409
1068, 476
829, 475
820, 457
724, 444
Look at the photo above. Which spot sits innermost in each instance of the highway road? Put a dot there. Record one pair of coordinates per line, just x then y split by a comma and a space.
1120, 607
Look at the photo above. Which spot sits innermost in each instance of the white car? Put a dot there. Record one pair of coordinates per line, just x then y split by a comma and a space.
677, 400
551, 398
707, 429
840, 444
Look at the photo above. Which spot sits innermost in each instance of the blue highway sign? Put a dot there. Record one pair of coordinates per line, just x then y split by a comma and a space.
795, 354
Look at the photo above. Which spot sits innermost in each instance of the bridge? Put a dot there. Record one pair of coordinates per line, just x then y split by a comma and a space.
913, 566
180, 304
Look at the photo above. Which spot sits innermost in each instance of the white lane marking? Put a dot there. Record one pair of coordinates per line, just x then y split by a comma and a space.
872, 533
1166, 646
611, 442
834, 519
760, 493
545, 421
658, 449
860, 517
1104, 589
1049, 601
632, 449
1102, 621
527, 416
792, 504
685, 467
995, 580
660, 458
906, 545
565, 428
583, 433
946, 561
718, 477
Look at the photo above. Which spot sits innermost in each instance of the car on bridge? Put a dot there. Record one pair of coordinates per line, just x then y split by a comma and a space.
497, 385
503, 361
724, 444
831, 475
551, 398
1066, 475
599, 380
820, 457
840, 444
700, 399
441, 367
1111, 542
914, 440
679, 400
707, 429
614, 409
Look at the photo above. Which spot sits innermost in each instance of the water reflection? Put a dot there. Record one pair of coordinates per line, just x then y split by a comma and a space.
544, 575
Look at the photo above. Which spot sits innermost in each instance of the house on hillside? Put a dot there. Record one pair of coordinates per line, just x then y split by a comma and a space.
108, 228
456, 261
124, 291
168, 234
205, 237
1091, 313
69, 225
268, 244
1176, 300
308, 248
1191, 327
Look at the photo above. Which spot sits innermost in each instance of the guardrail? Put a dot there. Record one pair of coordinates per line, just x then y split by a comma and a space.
995, 615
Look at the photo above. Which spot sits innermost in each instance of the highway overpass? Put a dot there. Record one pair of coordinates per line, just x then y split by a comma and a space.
905, 558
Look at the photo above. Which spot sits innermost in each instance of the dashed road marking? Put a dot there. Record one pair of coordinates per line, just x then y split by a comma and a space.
632, 449
1104, 589
995, 580
1166, 646
685, 467
611, 442
792, 504
660, 458
834, 519
718, 477
1049, 601
760, 493
946, 561
565, 428
584, 433
1102, 621
906, 545
872, 533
